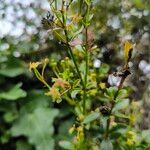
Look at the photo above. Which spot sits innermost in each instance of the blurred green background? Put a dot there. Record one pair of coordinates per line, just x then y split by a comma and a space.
28, 119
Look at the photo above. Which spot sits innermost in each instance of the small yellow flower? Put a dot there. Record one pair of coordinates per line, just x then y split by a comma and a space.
33, 65
102, 85
46, 60
131, 137
132, 119
93, 76
76, 18
130, 142
80, 129
80, 134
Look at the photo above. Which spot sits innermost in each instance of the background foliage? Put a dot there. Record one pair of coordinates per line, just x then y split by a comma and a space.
28, 119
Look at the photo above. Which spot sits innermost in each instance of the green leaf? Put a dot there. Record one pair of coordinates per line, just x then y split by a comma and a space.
118, 130
120, 115
66, 145
78, 32
106, 145
123, 93
14, 93
11, 72
10, 116
111, 93
103, 122
87, 2
59, 36
37, 127
118, 127
35, 99
103, 70
146, 135
75, 92
91, 117
12, 68
22, 145
121, 104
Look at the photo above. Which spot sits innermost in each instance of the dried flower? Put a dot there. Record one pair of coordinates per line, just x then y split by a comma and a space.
54, 93
61, 83
34, 65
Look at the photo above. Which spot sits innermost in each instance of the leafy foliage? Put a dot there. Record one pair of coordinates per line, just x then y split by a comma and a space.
80, 105
37, 126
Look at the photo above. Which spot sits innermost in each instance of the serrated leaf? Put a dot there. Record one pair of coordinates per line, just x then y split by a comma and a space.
106, 145
91, 117
14, 93
37, 127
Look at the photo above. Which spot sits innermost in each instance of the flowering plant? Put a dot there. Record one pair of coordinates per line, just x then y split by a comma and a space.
104, 116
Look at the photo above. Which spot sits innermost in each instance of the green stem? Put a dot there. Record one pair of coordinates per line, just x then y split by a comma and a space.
86, 61
38, 75
80, 6
86, 70
56, 4
112, 106
68, 47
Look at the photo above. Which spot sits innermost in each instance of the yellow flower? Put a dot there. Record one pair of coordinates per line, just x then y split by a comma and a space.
33, 65
102, 85
130, 142
132, 119
46, 60
80, 134
131, 137
76, 18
